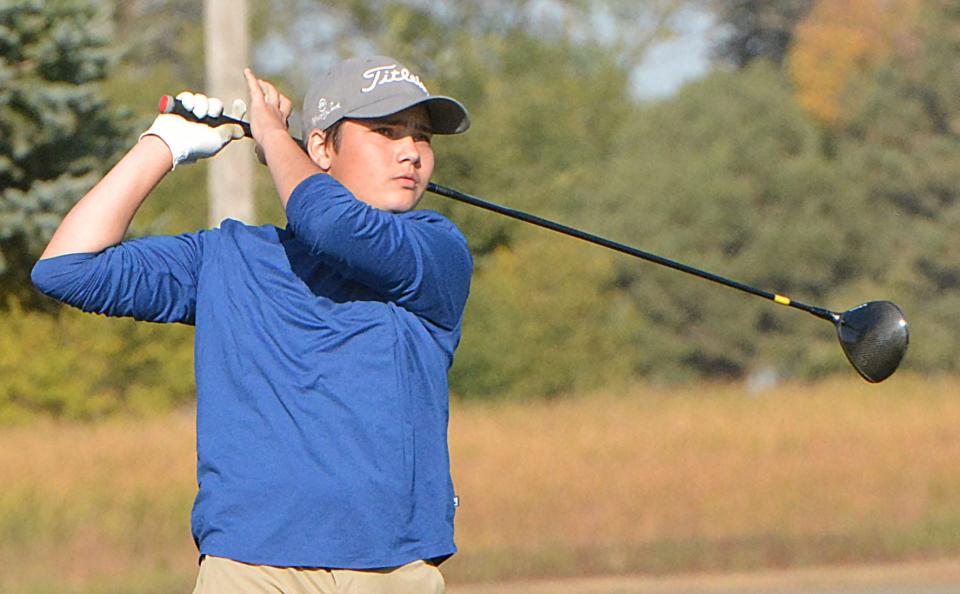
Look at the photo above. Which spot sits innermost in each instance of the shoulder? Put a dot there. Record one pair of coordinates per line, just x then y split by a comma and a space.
234, 230
204, 244
434, 220
441, 238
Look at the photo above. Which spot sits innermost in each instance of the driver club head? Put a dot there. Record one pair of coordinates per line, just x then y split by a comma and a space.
874, 337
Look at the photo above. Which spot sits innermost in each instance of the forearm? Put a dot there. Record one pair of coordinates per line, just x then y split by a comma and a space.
101, 218
288, 163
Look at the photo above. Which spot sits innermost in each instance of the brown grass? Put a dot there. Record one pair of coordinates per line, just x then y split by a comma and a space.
708, 477
654, 480
96, 500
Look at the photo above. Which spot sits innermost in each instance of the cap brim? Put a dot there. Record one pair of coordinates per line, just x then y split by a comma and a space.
447, 115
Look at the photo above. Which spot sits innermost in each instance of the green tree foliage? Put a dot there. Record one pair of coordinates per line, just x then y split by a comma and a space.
57, 130
899, 157
757, 30
544, 318
430, 34
730, 175
727, 177
733, 177
171, 30
160, 35
539, 140
81, 366
78, 85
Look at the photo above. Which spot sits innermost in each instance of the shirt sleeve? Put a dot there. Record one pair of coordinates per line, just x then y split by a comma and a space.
418, 260
151, 279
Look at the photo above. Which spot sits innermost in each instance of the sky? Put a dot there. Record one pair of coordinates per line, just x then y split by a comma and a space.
678, 60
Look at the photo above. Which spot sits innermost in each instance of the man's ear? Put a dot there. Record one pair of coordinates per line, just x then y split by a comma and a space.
318, 149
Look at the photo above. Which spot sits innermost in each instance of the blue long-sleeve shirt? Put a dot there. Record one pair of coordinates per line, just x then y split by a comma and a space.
322, 353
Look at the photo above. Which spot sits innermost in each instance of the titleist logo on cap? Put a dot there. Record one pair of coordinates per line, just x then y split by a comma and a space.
383, 75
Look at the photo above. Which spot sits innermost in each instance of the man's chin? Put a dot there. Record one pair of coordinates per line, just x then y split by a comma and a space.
396, 200
402, 201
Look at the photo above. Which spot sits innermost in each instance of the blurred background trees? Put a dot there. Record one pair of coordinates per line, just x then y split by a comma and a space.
818, 158
58, 131
759, 30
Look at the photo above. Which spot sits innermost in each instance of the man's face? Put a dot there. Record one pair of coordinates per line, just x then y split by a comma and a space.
385, 162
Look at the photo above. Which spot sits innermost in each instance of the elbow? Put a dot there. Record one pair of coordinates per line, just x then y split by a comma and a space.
42, 278
56, 277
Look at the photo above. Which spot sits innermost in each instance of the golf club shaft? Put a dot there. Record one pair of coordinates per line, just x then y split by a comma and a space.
169, 104
626, 249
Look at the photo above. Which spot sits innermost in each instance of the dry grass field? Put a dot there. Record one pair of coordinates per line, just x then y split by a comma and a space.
654, 481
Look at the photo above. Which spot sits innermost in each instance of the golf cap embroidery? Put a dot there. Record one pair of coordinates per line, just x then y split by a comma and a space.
375, 87
384, 75
324, 109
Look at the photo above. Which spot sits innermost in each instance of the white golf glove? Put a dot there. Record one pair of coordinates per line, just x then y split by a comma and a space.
189, 141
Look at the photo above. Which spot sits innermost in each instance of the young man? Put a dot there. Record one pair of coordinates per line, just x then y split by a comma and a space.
322, 348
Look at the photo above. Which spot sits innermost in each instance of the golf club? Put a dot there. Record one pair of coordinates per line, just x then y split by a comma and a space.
874, 335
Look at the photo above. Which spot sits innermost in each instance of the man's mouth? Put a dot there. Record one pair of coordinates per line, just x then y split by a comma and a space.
408, 181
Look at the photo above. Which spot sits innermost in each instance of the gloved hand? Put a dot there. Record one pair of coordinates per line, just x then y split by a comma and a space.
189, 141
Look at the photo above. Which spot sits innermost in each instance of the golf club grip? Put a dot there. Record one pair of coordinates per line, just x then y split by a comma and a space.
626, 249
173, 105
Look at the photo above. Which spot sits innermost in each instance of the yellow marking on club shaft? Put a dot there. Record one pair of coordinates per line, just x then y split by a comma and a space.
781, 299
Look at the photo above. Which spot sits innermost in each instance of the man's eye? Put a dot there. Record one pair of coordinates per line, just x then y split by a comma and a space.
385, 131
422, 137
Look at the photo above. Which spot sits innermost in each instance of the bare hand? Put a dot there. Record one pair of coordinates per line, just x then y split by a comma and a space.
268, 110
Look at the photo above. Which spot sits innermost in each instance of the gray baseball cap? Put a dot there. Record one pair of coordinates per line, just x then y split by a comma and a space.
374, 87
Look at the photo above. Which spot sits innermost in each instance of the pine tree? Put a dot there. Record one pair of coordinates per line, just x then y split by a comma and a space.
58, 134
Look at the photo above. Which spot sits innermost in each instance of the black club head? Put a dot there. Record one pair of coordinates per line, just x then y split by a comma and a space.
874, 336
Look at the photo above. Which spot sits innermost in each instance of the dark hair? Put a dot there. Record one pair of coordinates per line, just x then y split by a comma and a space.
330, 135
333, 134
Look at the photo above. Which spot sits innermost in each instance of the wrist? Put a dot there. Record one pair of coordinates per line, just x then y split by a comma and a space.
275, 136
155, 145
155, 150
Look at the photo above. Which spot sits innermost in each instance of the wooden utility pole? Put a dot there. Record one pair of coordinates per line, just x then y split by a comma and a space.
230, 173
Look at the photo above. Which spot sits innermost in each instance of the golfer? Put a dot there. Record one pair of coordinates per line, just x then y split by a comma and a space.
322, 348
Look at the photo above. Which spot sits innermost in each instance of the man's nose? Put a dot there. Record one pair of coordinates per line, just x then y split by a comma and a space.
407, 149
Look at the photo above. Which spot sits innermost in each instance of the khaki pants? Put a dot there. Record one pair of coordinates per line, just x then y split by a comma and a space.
224, 576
